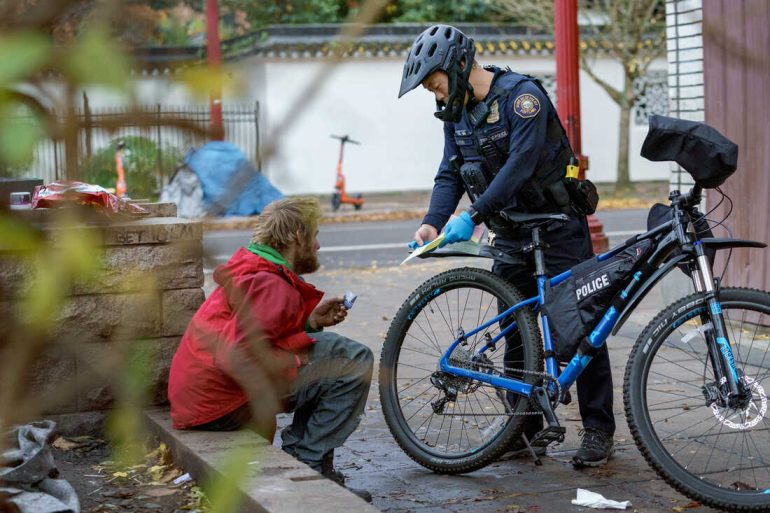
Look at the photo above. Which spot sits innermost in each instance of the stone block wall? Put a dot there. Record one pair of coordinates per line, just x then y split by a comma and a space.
149, 287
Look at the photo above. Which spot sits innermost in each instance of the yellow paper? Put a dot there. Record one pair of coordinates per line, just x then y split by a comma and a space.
424, 249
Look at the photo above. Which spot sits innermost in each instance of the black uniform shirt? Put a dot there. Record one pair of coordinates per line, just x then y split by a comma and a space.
517, 124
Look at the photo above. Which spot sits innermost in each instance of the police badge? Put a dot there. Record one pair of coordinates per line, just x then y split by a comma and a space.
494, 113
526, 105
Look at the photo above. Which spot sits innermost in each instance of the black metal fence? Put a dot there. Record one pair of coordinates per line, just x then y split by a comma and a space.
240, 123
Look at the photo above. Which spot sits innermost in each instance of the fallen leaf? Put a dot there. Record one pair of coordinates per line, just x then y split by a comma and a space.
161, 491
120, 474
156, 472
171, 475
64, 444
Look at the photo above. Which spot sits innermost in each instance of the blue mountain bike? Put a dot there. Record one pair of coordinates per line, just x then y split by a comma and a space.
465, 360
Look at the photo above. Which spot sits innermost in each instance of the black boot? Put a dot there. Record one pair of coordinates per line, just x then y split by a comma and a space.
595, 449
328, 471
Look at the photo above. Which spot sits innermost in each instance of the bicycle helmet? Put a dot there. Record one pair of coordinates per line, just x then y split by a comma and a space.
444, 48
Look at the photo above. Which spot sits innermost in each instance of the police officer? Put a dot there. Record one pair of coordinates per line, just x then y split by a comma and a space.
505, 146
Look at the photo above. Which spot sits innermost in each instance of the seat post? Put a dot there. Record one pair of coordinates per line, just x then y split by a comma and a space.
538, 247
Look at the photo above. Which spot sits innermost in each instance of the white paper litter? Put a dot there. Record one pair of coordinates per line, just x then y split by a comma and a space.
594, 500
182, 479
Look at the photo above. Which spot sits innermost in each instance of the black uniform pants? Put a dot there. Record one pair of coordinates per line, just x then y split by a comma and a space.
568, 245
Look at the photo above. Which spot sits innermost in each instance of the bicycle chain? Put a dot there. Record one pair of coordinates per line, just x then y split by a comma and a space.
544, 375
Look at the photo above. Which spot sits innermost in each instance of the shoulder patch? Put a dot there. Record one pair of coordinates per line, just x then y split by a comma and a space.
526, 105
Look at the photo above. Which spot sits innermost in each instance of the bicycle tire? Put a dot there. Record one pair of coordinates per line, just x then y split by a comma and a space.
464, 284
664, 412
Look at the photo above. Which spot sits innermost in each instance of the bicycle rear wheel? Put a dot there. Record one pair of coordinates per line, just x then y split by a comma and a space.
446, 423
718, 456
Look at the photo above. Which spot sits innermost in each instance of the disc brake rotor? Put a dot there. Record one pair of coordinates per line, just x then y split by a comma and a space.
747, 418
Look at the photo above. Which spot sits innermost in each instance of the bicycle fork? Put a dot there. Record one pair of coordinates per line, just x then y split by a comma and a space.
717, 340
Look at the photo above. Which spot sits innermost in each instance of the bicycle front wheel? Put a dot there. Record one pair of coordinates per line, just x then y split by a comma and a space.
716, 455
447, 423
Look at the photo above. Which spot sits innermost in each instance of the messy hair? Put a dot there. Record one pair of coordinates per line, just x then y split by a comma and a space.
280, 222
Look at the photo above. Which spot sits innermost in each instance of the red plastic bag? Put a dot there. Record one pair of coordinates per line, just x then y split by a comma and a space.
67, 194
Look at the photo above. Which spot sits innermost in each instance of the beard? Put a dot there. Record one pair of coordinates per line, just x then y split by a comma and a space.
306, 261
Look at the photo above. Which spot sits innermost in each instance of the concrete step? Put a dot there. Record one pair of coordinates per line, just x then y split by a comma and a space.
275, 482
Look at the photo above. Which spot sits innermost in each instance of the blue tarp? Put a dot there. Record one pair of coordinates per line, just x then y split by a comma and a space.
222, 168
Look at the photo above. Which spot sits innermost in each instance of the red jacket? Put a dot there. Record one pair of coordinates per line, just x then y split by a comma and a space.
201, 384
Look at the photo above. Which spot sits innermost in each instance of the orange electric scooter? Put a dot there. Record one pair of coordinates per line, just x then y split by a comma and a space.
120, 182
340, 196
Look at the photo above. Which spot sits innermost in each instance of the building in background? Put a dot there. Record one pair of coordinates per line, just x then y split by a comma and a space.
402, 142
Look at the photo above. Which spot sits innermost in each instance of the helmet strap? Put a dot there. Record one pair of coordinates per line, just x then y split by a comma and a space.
459, 86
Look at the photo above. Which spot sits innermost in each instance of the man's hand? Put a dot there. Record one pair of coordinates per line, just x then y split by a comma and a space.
424, 234
458, 229
329, 312
303, 357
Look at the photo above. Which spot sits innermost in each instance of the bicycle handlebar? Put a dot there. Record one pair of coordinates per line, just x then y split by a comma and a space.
694, 197
344, 138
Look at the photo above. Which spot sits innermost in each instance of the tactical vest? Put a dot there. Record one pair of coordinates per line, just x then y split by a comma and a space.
488, 144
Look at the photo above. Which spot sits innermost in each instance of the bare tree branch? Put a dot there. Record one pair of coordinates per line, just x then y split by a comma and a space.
616, 95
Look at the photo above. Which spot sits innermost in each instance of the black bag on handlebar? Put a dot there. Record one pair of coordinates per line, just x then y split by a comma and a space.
576, 305
707, 155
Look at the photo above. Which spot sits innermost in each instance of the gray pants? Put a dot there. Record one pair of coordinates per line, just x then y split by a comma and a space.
328, 397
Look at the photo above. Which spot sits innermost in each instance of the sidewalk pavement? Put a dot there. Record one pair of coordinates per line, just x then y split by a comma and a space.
383, 206
372, 460
393, 206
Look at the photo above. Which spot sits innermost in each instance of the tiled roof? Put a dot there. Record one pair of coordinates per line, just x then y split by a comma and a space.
317, 41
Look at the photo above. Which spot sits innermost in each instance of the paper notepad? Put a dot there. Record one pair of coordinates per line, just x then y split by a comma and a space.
424, 249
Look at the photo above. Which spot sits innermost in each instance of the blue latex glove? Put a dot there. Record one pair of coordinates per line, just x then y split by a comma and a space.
458, 229
413, 245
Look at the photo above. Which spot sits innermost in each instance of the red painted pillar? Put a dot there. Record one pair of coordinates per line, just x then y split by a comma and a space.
214, 58
567, 39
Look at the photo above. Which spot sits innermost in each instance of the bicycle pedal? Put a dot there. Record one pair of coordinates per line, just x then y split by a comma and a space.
548, 436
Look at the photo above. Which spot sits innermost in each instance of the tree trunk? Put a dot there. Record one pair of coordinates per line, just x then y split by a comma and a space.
623, 183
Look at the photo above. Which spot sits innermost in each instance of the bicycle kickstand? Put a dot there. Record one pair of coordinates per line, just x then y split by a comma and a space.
531, 450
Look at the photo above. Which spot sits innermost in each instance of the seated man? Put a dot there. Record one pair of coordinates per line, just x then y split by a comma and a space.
255, 347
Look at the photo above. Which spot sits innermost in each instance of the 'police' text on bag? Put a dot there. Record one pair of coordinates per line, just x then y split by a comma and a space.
592, 286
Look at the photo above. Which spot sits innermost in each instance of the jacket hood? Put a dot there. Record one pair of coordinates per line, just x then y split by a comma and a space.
243, 262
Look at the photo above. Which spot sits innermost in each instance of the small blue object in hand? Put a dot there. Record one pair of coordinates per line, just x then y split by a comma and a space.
458, 229
348, 299
413, 245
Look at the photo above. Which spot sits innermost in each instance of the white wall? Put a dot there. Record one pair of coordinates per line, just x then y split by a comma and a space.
401, 140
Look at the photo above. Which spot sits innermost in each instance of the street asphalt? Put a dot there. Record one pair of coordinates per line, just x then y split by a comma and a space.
382, 243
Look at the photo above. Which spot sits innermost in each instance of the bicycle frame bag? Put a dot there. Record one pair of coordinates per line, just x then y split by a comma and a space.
576, 305
707, 155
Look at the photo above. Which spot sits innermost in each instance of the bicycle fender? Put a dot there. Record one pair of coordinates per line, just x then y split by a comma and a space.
645, 288
719, 243
472, 249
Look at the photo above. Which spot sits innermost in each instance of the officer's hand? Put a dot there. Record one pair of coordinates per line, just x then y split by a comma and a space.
424, 234
458, 229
